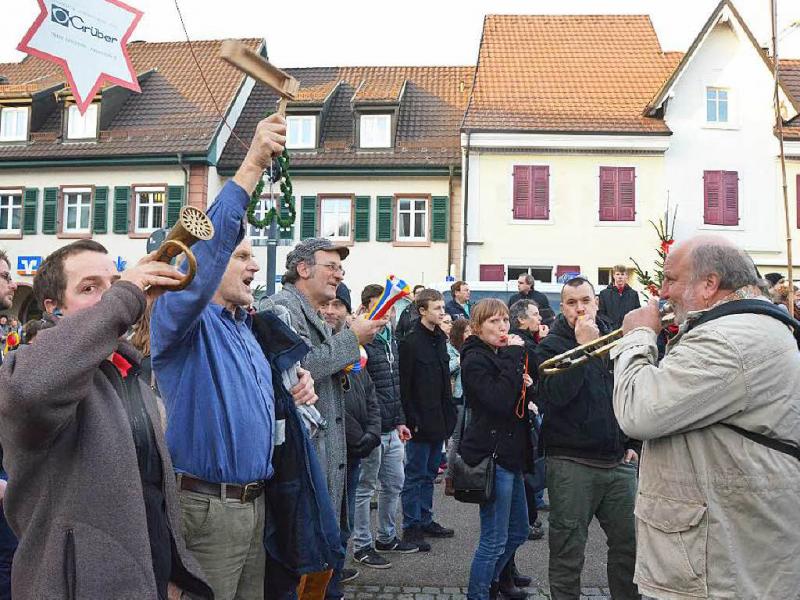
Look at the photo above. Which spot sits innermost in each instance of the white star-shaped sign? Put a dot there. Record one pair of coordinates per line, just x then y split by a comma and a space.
88, 39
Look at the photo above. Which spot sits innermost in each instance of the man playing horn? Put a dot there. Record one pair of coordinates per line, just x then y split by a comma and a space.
717, 512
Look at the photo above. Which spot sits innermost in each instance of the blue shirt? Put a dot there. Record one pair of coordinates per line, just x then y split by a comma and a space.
215, 380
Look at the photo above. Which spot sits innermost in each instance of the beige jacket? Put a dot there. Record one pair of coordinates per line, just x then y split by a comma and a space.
717, 515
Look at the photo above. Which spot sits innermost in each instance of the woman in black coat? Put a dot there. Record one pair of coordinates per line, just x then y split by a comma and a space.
494, 378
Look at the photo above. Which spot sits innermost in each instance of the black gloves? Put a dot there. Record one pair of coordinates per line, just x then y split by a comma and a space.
367, 443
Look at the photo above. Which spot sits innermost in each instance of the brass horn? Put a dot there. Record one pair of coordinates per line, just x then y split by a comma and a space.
580, 355
192, 225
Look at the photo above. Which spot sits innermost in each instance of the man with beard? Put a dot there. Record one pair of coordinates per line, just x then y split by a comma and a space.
591, 464
717, 512
8, 541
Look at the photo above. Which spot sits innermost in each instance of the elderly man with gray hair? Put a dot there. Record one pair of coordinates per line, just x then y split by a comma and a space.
717, 510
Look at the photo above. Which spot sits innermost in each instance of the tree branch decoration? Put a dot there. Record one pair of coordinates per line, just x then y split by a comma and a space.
665, 231
281, 165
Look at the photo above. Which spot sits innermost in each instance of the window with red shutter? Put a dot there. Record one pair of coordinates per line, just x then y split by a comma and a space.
730, 207
531, 192
608, 194
721, 197
617, 194
492, 273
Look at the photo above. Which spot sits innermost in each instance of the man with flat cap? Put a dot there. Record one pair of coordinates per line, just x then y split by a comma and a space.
313, 272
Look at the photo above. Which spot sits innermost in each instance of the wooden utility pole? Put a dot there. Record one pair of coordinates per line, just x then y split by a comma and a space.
779, 130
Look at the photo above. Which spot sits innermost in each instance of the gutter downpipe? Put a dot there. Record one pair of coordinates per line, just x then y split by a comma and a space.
465, 219
185, 177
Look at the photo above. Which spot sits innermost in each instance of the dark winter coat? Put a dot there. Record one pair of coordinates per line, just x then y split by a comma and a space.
383, 365
305, 538
455, 310
614, 306
425, 385
548, 315
493, 387
362, 415
577, 405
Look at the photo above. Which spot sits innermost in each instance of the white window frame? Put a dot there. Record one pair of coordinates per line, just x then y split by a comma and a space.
295, 127
413, 211
717, 90
16, 135
84, 202
259, 237
150, 206
368, 131
82, 126
7, 206
337, 215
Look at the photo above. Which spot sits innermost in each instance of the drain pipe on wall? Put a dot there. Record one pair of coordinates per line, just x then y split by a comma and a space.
465, 209
185, 178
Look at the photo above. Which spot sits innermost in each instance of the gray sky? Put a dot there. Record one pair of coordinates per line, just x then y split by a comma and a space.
302, 33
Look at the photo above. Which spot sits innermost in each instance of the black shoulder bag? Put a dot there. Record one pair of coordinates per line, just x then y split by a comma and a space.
758, 307
473, 485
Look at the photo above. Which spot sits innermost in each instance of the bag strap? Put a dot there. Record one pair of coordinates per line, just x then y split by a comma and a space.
766, 441
758, 307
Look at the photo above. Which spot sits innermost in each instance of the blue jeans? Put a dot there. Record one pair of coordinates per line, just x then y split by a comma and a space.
348, 508
504, 527
422, 466
384, 465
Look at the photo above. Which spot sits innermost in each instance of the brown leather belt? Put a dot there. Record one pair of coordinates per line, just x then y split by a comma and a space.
243, 493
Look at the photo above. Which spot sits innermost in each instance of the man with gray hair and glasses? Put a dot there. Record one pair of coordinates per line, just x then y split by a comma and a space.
717, 511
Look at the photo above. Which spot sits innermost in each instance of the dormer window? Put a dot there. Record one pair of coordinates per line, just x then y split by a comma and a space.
301, 132
13, 123
82, 126
716, 105
375, 131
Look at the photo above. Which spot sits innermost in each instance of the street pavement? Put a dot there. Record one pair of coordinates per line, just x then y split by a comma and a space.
443, 572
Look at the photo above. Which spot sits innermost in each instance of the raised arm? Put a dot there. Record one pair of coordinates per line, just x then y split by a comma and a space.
175, 314
496, 392
42, 384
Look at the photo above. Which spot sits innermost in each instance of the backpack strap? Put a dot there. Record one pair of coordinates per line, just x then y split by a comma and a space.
758, 307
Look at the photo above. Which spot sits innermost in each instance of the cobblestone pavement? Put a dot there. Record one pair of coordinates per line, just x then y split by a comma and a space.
394, 592
445, 568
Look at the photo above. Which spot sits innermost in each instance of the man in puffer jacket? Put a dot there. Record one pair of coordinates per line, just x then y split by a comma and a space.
362, 426
591, 463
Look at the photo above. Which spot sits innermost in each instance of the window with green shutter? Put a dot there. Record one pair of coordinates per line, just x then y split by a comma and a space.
439, 220
286, 233
362, 218
122, 198
384, 221
100, 210
50, 210
174, 204
308, 217
29, 208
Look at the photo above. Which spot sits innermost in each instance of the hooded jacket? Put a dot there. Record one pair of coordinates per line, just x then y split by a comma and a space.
383, 365
493, 387
578, 413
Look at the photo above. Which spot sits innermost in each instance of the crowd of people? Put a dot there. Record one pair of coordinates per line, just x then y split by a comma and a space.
198, 443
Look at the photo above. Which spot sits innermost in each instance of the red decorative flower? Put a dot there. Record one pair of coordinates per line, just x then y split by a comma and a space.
653, 289
665, 244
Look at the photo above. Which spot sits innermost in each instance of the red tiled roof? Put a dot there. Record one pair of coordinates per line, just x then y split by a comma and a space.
174, 113
430, 113
380, 89
568, 73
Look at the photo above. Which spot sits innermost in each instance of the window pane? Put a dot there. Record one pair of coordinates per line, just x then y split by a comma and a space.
141, 222
723, 111
419, 225
405, 225
157, 218
419, 204
405, 204
15, 218
71, 218
84, 217
722, 95
3, 219
711, 94
711, 111
344, 227
17, 200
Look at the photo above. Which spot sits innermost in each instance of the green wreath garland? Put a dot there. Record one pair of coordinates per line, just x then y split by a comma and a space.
286, 200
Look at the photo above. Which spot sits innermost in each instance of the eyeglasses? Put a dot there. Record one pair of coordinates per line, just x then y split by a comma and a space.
334, 267
7, 277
